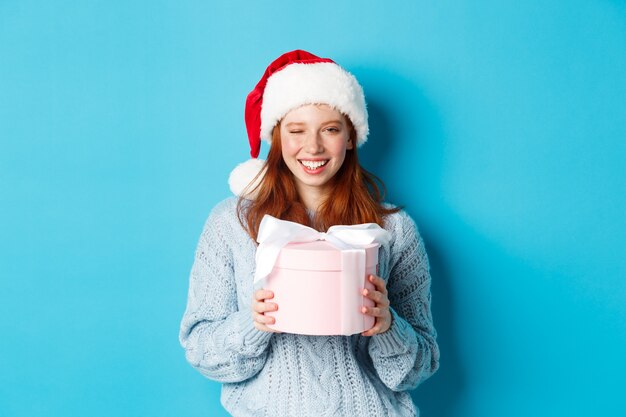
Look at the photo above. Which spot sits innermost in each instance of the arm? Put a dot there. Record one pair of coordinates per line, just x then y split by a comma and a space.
220, 341
407, 353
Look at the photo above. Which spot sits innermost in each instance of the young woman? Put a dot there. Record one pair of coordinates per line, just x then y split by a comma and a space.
313, 113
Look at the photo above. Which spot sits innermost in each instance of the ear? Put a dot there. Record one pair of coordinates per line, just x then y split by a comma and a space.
350, 144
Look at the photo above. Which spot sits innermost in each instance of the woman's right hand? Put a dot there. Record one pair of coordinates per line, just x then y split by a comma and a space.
260, 306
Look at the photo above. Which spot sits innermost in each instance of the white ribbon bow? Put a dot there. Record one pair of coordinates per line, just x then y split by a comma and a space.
274, 234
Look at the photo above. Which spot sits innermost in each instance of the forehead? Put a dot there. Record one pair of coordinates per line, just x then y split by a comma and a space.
312, 113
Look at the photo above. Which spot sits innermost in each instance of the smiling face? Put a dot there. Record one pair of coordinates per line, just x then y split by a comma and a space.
314, 139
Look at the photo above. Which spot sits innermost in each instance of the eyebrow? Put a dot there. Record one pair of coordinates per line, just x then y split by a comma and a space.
304, 123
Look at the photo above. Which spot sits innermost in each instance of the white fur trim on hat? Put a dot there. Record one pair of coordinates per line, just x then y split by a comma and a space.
243, 175
320, 83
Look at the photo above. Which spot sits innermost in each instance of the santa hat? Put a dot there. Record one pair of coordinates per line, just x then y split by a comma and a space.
293, 80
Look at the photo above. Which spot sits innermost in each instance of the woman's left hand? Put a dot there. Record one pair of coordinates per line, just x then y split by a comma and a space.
380, 310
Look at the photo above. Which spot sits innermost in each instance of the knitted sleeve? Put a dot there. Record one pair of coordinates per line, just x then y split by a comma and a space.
220, 341
407, 353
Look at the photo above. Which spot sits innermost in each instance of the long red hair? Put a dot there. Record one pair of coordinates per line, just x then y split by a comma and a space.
355, 197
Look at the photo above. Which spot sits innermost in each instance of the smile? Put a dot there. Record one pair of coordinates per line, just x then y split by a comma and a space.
313, 165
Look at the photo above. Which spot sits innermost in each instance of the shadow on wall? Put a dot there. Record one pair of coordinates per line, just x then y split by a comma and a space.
404, 110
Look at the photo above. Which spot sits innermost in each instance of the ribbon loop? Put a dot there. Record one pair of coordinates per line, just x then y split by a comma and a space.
274, 234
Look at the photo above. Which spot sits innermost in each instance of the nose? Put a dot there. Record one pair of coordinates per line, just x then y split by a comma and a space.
313, 143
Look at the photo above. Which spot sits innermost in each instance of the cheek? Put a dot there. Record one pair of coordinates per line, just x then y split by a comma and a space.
289, 147
339, 149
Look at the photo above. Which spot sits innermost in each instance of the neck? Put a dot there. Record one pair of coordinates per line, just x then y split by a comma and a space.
312, 197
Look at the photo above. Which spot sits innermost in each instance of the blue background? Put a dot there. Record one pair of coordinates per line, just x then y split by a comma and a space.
499, 125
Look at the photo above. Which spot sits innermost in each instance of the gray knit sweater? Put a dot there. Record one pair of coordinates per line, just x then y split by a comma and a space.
280, 374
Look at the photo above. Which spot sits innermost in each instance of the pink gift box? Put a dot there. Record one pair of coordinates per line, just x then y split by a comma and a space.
318, 288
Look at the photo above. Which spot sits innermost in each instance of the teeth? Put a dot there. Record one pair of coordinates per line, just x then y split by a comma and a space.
313, 164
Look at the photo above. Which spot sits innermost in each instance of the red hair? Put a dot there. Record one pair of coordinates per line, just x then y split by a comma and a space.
355, 196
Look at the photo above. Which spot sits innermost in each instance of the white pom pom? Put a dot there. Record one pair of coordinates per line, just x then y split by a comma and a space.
242, 176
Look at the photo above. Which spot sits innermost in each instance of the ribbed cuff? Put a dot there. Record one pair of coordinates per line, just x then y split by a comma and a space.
397, 339
253, 340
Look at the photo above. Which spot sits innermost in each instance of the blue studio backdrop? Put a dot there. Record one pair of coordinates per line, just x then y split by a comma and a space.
500, 126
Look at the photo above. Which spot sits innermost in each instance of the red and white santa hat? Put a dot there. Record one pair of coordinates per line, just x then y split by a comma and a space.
293, 80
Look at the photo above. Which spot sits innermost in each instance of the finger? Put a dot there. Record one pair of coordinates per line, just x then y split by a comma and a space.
371, 332
261, 307
263, 294
261, 322
263, 319
380, 326
264, 328
375, 311
376, 296
379, 283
